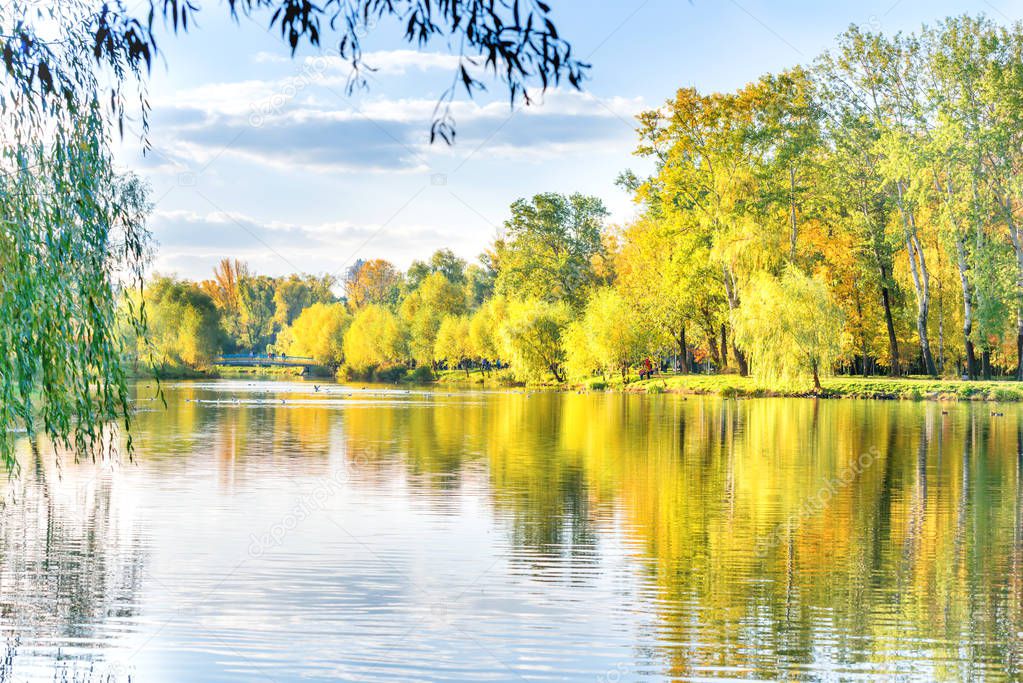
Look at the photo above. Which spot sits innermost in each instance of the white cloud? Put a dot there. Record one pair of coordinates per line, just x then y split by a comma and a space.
383, 62
190, 243
311, 132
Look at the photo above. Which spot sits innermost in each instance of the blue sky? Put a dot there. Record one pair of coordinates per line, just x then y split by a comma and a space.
264, 158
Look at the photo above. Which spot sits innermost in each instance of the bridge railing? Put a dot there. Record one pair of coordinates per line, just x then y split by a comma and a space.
244, 359
262, 356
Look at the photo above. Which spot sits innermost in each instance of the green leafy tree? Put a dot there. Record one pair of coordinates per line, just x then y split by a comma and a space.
255, 312
531, 337
72, 234
479, 284
184, 323
552, 248
442, 261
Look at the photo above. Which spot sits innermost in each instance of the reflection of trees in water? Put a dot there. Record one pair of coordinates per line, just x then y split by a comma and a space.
199, 420
71, 564
913, 554
918, 553
441, 447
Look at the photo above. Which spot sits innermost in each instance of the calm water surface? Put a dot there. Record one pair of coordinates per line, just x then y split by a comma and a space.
269, 532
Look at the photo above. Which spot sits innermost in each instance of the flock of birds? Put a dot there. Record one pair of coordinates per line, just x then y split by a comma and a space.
317, 388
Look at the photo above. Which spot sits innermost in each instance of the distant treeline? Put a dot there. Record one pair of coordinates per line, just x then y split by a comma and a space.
860, 214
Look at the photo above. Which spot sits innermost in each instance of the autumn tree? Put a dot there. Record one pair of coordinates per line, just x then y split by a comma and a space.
531, 338
373, 338
318, 333
372, 282
790, 327
453, 345
484, 326
184, 324
72, 72
609, 335
423, 310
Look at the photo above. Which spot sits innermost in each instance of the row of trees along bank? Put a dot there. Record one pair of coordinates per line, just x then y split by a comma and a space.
859, 214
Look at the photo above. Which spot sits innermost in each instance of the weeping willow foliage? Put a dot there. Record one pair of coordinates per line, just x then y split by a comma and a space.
72, 234
789, 327
373, 338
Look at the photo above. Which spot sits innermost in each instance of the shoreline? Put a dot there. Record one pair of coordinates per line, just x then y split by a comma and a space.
725, 386
734, 386
875, 388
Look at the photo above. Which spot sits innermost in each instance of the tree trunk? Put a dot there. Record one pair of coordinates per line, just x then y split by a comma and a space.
921, 280
1019, 343
724, 347
971, 358
1017, 244
715, 351
880, 258
740, 360
893, 341
863, 337
733, 303
964, 281
792, 213
816, 378
985, 363
556, 372
682, 347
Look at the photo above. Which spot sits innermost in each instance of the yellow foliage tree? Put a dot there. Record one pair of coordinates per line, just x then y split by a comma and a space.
609, 337
453, 344
789, 326
318, 332
484, 340
423, 310
373, 338
531, 338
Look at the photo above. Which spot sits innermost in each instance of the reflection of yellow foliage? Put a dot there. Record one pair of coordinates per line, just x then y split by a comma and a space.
883, 518
916, 544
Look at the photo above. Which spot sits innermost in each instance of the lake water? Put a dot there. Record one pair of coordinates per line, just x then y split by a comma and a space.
270, 532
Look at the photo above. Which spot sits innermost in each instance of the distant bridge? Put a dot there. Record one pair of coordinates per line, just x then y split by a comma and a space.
264, 360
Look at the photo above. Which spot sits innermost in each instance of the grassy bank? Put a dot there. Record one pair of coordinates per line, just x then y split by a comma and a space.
905, 388
172, 372
835, 387
495, 378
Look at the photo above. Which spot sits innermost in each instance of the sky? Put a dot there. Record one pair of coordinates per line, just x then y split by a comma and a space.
266, 158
